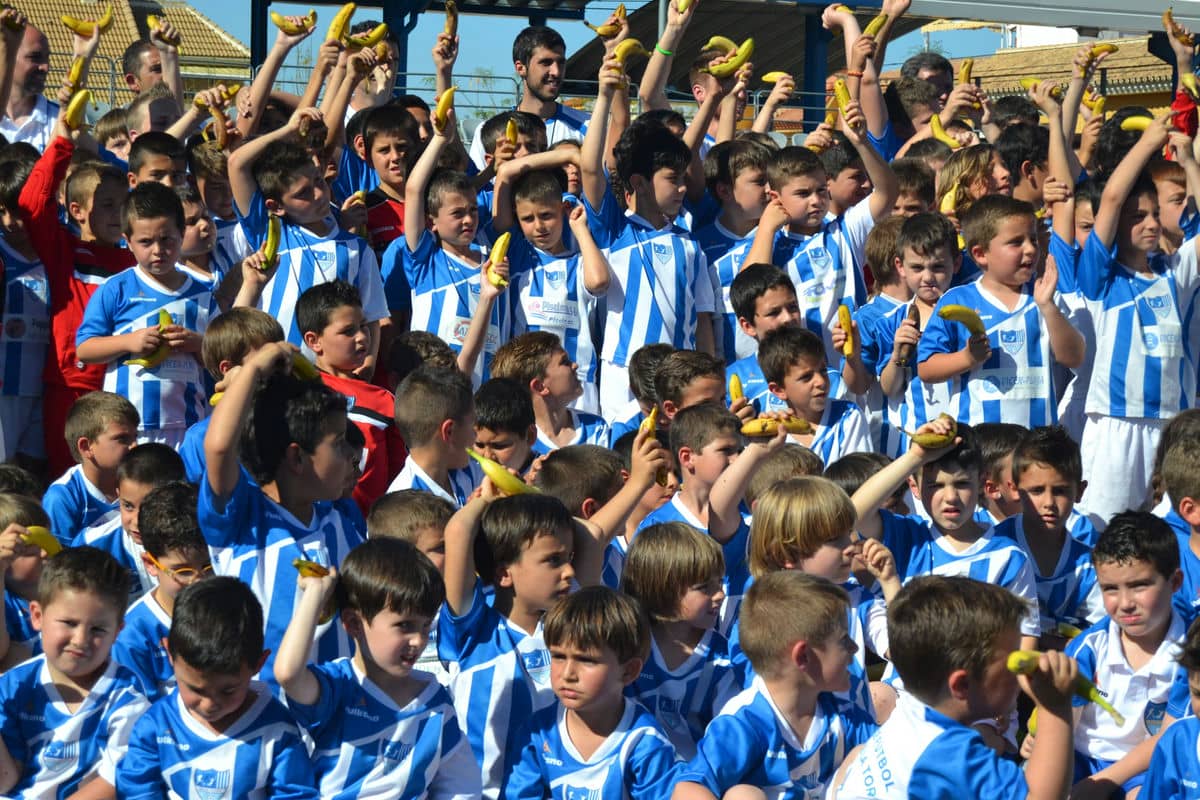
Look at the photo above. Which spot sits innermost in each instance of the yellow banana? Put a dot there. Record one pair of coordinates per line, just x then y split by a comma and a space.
451, 28
842, 7
627, 48
1169, 23
309, 569
1031, 85
768, 427
39, 536
1066, 630
730, 67
650, 423
845, 322
774, 77
499, 251
936, 441
841, 93
340, 24
1138, 124
604, 31
303, 369
1100, 49
1025, 662
85, 27
369, 39
683, 6
831, 112
939, 133
161, 352
504, 481
270, 247
1089, 98
510, 132
1187, 80
875, 25
216, 398
949, 201
75, 73
620, 12
220, 122
964, 70
441, 109
735, 389
153, 24
291, 28
722, 43
1098, 106
964, 315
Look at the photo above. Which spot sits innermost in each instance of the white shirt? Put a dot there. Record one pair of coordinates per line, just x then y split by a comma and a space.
37, 128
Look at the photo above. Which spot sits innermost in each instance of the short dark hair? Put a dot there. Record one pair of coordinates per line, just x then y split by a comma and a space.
924, 233
1189, 654
881, 250
966, 454
1138, 536
753, 282
168, 522
217, 627
925, 60
532, 38
1113, 142
15, 479
84, 569
852, 470
150, 200
538, 186
679, 369
527, 123
387, 574
696, 426
597, 618
578, 472
913, 176
924, 150
510, 524
317, 304
1020, 143
782, 348
133, 54
1014, 109
1089, 191
277, 169
726, 160
426, 398
151, 464
997, 441
647, 147
391, 119
446, 181
794, 162
1050, 445
154, 143
643, 366
14, 174
287, 410
839, 156
406, 513
503, 404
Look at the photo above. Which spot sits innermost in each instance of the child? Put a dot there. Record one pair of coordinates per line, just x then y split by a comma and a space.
1007, 373
291, 437
175, 556
272, 175
998, 498
67, 714
793, 364
330, 316
595, 742
391, 142
688, 378
763, 299
505, 426
101, 428
416, 517
22, 566
388, 595
655, 497
786, 733
157, 157
156, 366
676, 573
1048, 476
1131, 653
660, 290
915, 189
142, 469
1181, 477
199, 238
208, 165
112, 133
1174, 766
950, 640
219, 733
538, 361
436, 416
643, 367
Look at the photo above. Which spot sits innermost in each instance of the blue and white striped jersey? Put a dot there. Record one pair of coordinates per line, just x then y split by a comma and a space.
73, 503
628, 419
752, 742
589, 429
1188, 596
254, 539
367, 746
445, 294
660, 282
20, 624
614, 562
25, 334
230, 249
1016, 383
842, 430
463, 481
921, 401
172, 754
685, 699
58, 749
635, 762
307, 260
1175, 763
172, 394
111, 537
919, 752
725, 252
920, 549
1070, 593
503, 677
754, 384
884, 438
139, 647
548, 294
1143, 363
1140, 696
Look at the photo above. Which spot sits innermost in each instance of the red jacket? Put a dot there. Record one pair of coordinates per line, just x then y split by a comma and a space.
371, 409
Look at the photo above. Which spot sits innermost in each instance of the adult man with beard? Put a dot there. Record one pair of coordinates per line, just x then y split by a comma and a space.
539, 56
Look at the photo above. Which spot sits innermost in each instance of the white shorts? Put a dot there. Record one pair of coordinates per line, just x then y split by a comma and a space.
172, 437
21, 428
614, 391
1118, 461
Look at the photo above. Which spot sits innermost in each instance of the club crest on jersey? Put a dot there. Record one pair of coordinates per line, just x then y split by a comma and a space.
394, 751
1160, 304
1153, 717
662, 253
1013, 342
537, 664
580, 793
819, 258
556, 278
58, 755
211, 784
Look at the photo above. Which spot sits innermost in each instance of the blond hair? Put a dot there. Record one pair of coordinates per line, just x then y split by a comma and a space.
786, 607
91, 414
794, 518
964, 167
790, 461
406, 513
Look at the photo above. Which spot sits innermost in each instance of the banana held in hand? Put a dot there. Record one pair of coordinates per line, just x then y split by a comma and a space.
875, 25
441, 109
768, 427
290, 28
369, 39
964, 315
153, 23
85, 27
270, 247
936, 441
604, 31
1031, 85
161, 352
1169, 23
964, 71
729, 68
39, 536
735, 389
627, 48
499, 251
1187, 81
939, 133
451, 28
1138, 124
905, 351
340, 25
722, 43
510, 132
303, 369
650, 424
774, 77
504, 481
845, 322
309, 569
1025, 662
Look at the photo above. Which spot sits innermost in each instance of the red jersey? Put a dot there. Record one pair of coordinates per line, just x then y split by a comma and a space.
385, 220
371, 409
74, 268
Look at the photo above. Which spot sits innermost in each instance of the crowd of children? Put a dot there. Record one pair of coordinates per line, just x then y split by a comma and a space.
551, 465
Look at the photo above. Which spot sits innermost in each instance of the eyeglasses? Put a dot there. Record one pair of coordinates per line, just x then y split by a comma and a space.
185, 575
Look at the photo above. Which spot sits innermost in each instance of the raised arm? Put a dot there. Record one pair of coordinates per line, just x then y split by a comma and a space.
591, 153
895, 10
597, 273
166, 39
645, 460
241, 161
652, 91
445, 54
459, 570
260, 89
12, 29
1121, 182
418, 181
1066, 342
358, 66
875, 491
883, 196
510, 171
477, 331
724, 516
291, 662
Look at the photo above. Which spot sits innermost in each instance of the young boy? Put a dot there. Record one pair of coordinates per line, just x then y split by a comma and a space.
199, 238
219, 733
998, 496
595, 742
1181, 477
291, 437
660, 291
915, 188
391, 141
388, 594
764, 300
436, 416
142, 469
1131, 653
1007, 373
786, 733
101, 428
22, 566
157, 157
643, 368
155, 365
175, 556
793, 364
208, 165
1175, 763
67, 714
538, 361
687, 378
505, 425
950, 638
330, 316
272, 175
